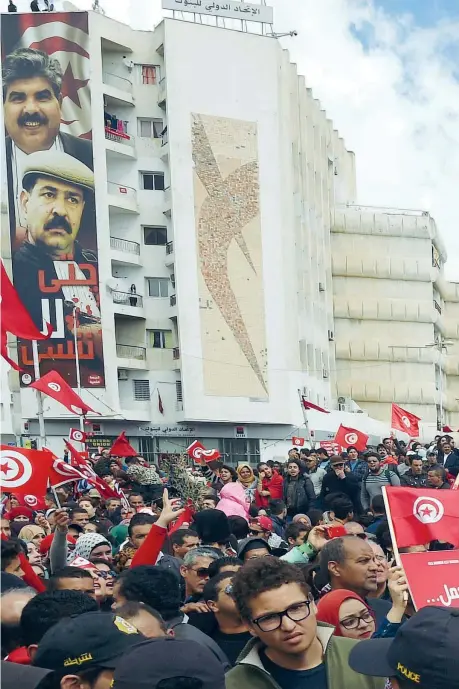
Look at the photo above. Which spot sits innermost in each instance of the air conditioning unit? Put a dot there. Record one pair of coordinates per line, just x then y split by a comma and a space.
342, 406
321, 287
331, 336
325, 373
173, 280
122, 374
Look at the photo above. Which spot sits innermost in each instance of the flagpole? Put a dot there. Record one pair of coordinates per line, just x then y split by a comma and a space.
305, 417
41, 418
77, 362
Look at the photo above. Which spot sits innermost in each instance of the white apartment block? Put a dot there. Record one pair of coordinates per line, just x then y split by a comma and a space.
216, 206
228, 202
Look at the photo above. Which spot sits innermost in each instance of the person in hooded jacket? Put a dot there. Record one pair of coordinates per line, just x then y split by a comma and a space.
299, 493
233, 501
247, 479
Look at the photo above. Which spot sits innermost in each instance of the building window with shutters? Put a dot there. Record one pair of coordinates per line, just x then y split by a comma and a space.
159, 339
158, 287
152, 181
155, 236
178, 390
150, 128
141, 390
149, 74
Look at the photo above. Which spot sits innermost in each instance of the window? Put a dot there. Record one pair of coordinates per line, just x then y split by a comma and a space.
178, 390
152, 181
158, 287
141, 390
159, 339
155, 236
150, 128
149, 74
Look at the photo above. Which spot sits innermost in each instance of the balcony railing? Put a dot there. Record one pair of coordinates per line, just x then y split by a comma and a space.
119, 137
169, 248
128, 193
176, 353
125, 245
118, 82
131, 352
437, 306
127, 298
173, 299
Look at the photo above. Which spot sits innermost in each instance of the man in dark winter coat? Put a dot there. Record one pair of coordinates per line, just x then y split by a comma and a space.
299, 493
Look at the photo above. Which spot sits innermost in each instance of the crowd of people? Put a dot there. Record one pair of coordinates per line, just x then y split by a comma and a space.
275, 576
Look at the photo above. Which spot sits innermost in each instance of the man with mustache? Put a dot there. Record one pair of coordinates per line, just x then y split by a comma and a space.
32, 100
52, 265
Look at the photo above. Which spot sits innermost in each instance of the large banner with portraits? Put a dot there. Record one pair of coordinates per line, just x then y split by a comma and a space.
50, 189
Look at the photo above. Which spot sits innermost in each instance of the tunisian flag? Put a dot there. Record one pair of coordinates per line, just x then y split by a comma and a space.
24, 470
350, 436
55, 386
421, 515
310, 405
15, 318
403, 420
78, 462
122, 448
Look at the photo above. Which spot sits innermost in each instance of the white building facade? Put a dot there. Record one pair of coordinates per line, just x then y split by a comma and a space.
213, 206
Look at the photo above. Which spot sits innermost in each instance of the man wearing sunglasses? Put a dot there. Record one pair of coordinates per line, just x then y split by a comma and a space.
195, 571
291, 650
340, 479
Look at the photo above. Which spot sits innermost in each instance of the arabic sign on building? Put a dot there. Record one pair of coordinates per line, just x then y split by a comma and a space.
230, 9
50, 189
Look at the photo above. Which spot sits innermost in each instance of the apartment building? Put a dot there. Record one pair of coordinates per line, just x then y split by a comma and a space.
215, 179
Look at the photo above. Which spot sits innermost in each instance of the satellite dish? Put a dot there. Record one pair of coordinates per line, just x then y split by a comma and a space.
111, 284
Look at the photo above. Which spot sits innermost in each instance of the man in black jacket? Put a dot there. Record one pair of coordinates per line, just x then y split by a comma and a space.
341, 480
299, 493
415, 477
448, 457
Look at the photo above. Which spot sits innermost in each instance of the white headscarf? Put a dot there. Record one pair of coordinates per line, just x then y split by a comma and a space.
86, 544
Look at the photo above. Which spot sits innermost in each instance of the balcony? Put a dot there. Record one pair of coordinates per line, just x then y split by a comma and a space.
131, 356
131, 352
162, 93
121, 198
119, 143
165, 146
167, 202
170, 259
125, 252
128, 304
118, 90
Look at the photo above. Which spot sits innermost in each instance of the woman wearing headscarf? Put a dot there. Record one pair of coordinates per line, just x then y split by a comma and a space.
353, 618
91, 546
247, 479
32, 533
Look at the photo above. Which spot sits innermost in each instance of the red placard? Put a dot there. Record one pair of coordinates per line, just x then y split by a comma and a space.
331, 447
433, 578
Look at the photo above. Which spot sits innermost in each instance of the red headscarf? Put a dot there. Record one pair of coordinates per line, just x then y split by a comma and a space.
20, 511
328, 607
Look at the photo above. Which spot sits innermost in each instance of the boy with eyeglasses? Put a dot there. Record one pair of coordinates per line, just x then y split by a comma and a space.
291, 650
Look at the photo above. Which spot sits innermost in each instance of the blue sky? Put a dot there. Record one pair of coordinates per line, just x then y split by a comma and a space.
424, 12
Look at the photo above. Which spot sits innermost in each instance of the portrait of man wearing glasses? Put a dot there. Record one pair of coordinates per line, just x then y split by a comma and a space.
290, 649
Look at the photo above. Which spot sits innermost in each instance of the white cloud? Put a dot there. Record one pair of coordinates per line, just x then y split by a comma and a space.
396, 105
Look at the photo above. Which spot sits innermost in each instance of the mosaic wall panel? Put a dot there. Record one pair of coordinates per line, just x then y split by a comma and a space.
228, 232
